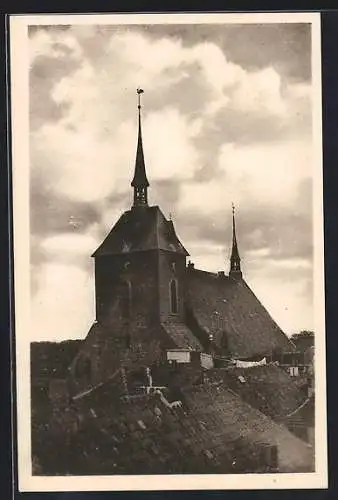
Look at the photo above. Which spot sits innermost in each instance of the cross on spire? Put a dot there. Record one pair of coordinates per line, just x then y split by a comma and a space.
235, 261
140, 182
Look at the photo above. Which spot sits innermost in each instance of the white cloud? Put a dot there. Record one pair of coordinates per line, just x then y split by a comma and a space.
69, 244
89, 154
79, 165
284, 298
53, 44
64, 305
295, 264
208, 256
256, 174
168, 147
258, 253
259, 92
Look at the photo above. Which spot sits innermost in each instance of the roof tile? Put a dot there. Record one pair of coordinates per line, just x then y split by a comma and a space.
230, 311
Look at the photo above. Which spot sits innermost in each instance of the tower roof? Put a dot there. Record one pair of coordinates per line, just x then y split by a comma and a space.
235, 261
139, 230
234, 253
140, 177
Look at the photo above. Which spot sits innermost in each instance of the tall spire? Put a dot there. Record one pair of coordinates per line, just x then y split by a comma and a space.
235, 261
140, 182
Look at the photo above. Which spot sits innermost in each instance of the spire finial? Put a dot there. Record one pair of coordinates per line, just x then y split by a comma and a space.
235, 261
139, 92
140, 182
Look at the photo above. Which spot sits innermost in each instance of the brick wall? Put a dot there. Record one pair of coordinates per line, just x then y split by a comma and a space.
140, 269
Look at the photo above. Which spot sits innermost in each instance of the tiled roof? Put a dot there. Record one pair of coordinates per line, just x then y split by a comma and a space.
212, 430
141, 229
267, 388
230, 311
223, 409
107, 344
181, 335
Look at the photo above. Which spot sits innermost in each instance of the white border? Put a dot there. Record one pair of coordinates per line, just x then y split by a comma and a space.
20, 159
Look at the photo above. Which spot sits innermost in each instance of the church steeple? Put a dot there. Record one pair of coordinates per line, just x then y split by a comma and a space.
235, 261
140, 182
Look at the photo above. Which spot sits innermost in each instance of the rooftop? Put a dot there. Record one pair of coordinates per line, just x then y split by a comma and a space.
140, 229
230, 311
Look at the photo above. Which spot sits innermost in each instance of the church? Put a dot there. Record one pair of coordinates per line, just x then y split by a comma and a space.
177, 373
151, 304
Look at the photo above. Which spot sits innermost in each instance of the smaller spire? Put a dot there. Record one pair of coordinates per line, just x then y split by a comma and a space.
140, 182
235, 261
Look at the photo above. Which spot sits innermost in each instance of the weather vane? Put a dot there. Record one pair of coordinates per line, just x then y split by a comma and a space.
139, 92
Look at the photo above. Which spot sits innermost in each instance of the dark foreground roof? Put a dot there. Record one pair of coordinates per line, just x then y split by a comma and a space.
212, 430
141, 229
230, 311
267, 388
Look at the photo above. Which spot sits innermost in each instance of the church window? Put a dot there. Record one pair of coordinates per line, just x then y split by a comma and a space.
173, 297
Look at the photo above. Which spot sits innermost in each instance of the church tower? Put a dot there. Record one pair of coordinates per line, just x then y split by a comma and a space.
140, 182
140, 266
235, 261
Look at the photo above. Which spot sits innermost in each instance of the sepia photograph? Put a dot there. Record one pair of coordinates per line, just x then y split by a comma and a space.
168, 251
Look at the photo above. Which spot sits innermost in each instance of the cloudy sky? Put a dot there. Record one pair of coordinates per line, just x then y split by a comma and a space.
226, 118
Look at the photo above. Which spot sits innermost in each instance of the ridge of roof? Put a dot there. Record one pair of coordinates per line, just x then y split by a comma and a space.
209, 274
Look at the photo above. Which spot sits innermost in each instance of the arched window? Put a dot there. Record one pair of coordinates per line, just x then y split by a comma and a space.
124, 296
173, 297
